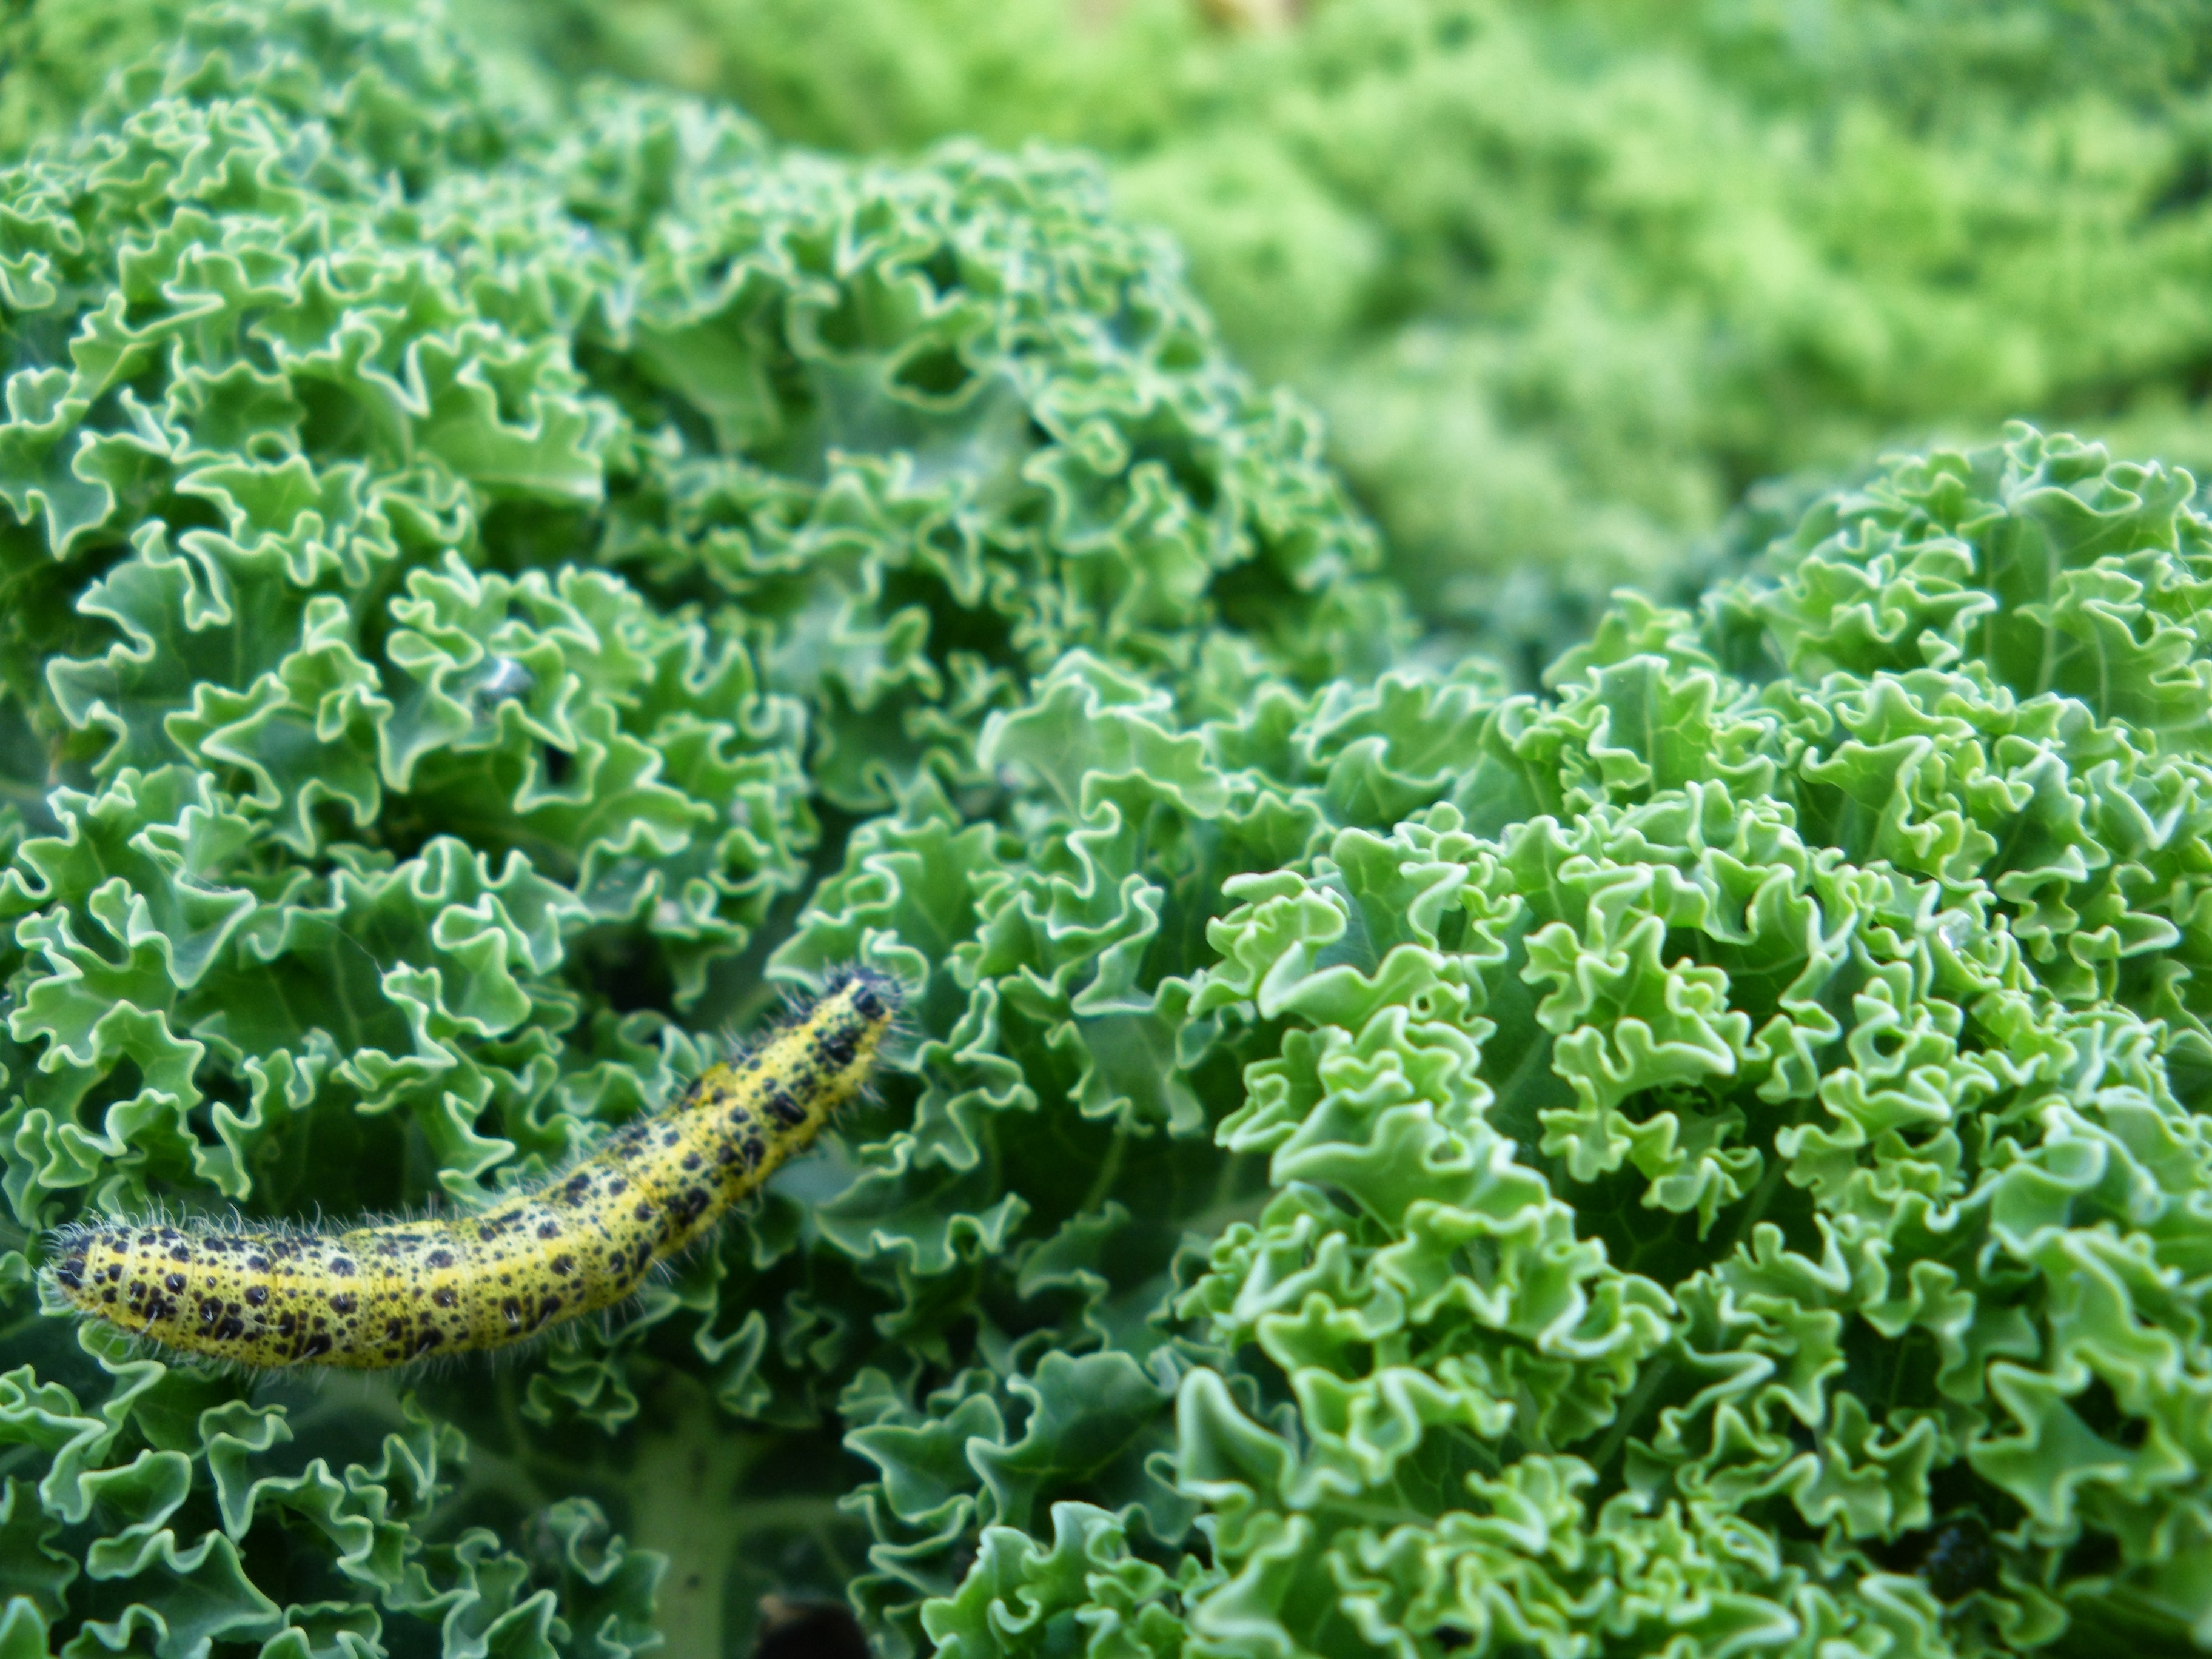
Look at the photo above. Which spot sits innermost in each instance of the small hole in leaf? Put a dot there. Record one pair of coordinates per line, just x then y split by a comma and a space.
808, 1629
1960, 1559
937, 373
1451, 930
627, 967
942, 270
2092, 1557
1954, 1558
2099, 1408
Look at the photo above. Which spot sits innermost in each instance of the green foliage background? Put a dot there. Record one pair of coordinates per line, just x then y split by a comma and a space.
1568, 277
1704, 1158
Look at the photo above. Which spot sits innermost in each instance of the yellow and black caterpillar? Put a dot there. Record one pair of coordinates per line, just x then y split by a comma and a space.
375, 1296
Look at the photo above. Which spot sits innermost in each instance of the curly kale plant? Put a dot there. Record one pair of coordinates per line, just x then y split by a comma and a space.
1738, 1174
1568, 275
470, 562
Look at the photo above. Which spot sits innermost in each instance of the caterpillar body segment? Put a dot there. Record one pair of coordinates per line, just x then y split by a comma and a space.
370, 1297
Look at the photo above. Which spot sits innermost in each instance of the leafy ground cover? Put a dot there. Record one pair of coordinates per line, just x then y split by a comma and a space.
1702, 1157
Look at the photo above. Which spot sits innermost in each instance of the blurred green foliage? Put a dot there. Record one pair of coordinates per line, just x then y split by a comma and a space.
54, 59
1569, 278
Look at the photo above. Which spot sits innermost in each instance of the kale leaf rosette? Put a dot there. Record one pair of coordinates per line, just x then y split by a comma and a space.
1737, 1179
474, 559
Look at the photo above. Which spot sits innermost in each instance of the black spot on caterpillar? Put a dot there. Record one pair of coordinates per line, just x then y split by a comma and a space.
375, 1296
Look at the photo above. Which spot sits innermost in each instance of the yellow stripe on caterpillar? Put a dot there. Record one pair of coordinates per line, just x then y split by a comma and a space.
375, 1296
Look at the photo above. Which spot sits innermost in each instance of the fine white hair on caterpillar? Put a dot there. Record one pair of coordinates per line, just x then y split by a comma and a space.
370, 1297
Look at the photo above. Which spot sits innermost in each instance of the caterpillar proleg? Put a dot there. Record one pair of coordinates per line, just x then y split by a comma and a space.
374, 1297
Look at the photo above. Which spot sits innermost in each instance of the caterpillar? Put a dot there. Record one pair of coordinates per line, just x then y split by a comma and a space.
376, 1296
